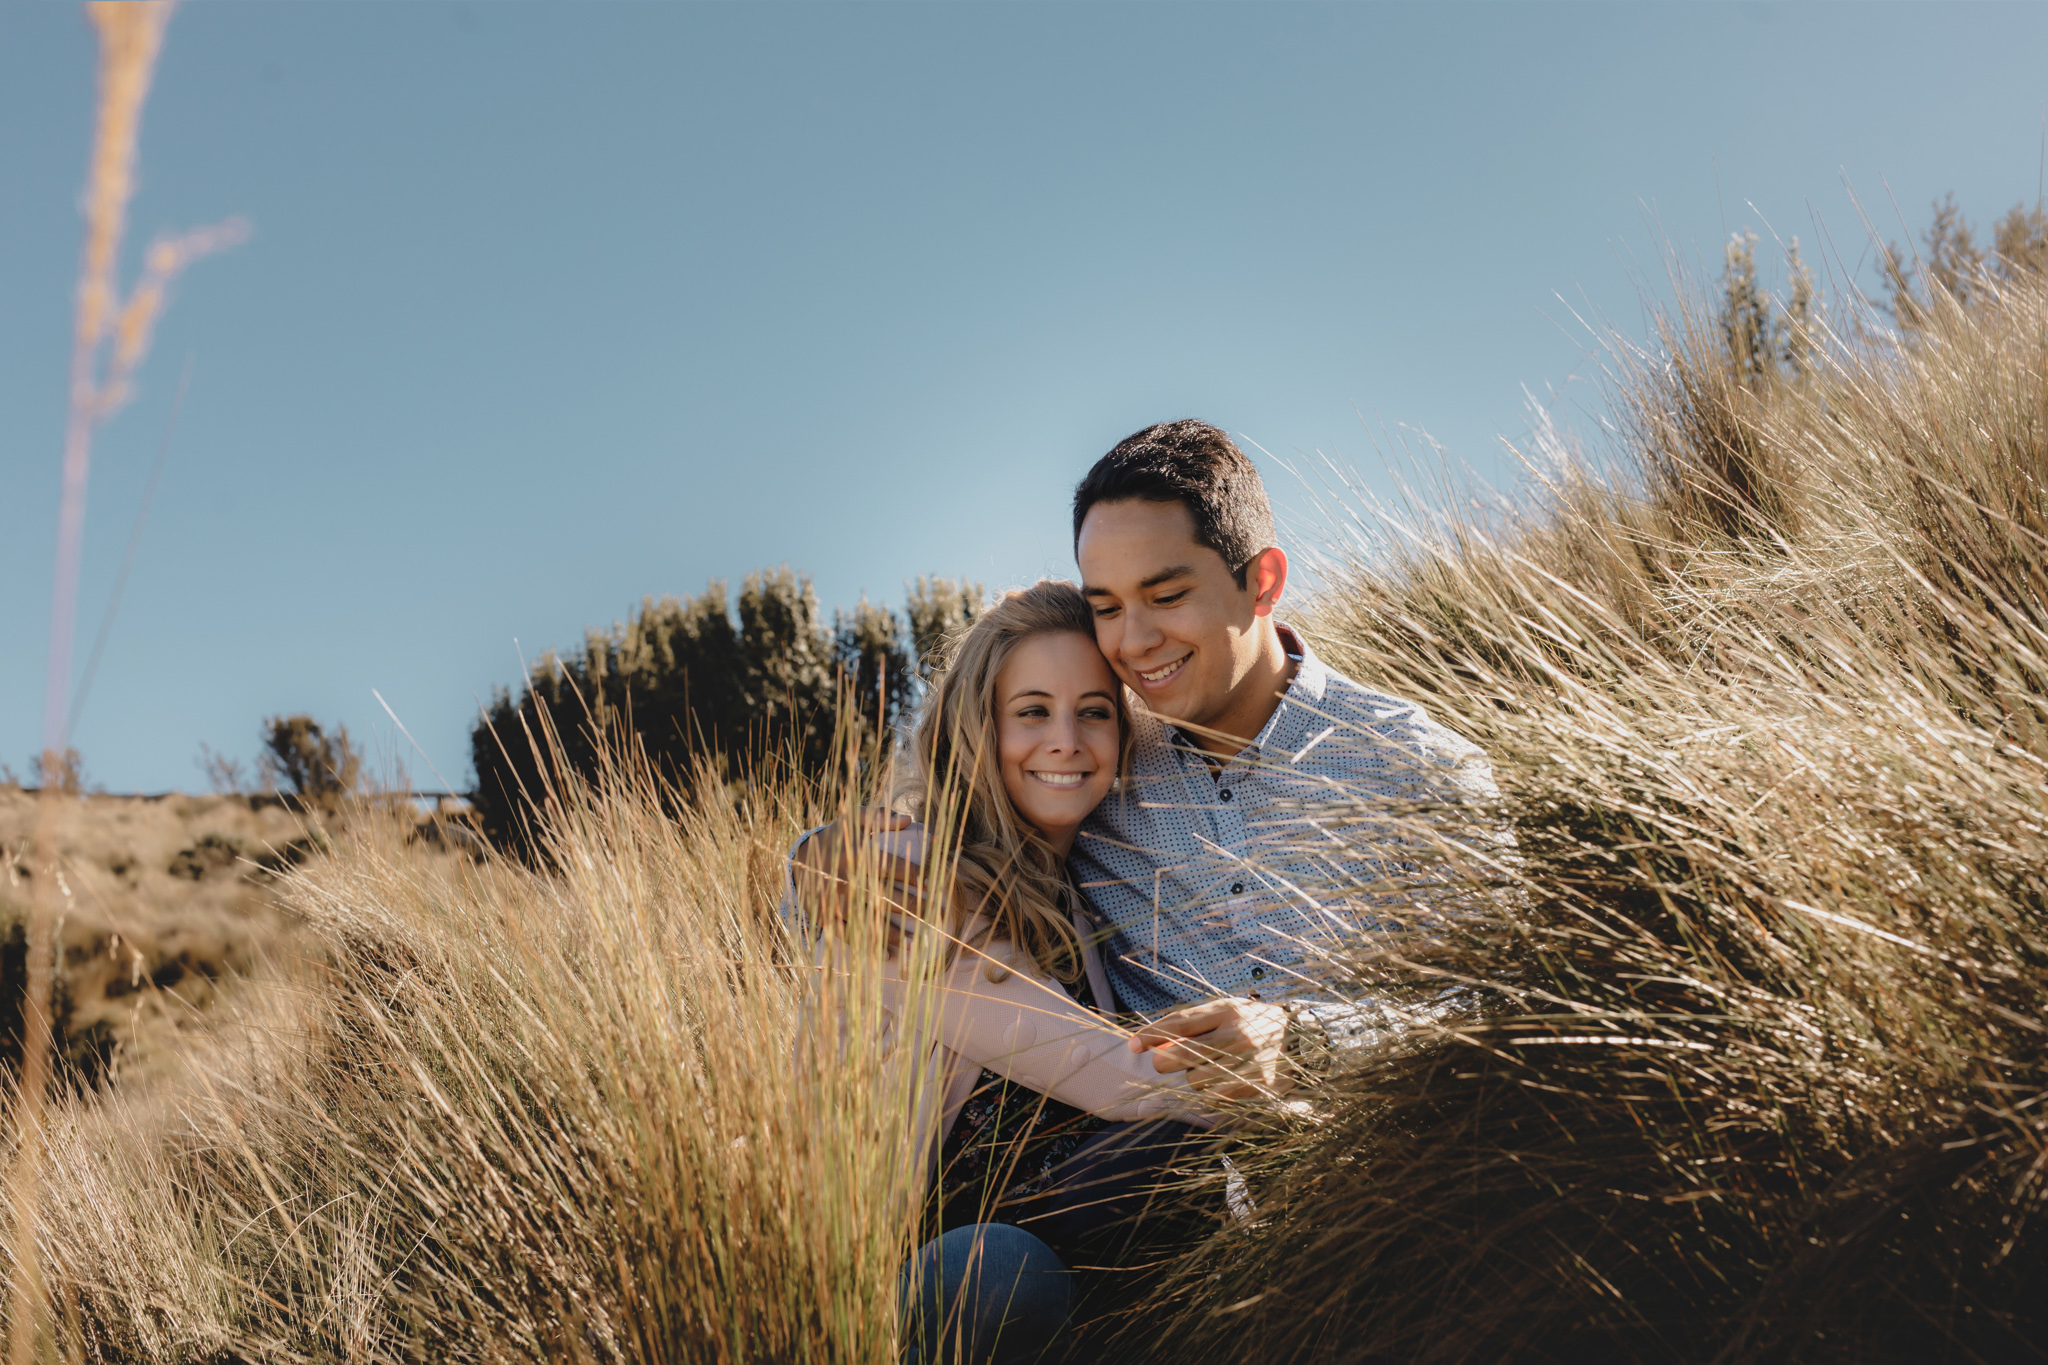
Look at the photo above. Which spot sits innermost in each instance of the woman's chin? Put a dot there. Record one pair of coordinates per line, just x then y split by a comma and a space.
1056, 814
1058, 827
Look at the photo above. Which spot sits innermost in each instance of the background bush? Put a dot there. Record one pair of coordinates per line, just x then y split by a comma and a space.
303, 760
686, 683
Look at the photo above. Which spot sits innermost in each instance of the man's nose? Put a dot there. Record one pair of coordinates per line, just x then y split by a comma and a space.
1141, 635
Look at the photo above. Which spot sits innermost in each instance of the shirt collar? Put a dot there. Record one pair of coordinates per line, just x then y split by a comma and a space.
1311, 679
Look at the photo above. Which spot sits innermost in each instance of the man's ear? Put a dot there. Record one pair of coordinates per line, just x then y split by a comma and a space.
1266, 577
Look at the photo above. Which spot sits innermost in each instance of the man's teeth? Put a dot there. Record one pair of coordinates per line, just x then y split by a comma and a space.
1161, 674
1061, 779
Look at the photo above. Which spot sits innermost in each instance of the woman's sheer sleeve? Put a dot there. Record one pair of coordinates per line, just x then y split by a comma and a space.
1032, 1032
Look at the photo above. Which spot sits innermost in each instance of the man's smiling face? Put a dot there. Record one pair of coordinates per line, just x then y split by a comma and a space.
1169, 616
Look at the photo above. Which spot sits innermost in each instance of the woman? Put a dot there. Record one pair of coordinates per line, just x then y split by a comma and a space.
1023, 735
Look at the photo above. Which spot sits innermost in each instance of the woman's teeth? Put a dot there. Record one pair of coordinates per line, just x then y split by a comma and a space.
1061, 779
1160, 675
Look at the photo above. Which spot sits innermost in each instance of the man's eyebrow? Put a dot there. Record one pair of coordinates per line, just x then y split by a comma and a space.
1150, 581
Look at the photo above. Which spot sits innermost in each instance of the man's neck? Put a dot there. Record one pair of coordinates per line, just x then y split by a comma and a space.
1252, 702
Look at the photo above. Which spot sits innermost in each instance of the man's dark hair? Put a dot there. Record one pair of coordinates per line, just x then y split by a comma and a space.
1194, 464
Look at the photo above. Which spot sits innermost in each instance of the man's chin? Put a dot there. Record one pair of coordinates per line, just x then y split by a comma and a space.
1172, 704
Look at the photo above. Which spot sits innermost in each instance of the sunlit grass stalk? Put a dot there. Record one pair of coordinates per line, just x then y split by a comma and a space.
110, 339
129, 38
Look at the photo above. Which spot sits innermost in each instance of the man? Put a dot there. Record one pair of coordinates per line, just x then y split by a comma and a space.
1214, 904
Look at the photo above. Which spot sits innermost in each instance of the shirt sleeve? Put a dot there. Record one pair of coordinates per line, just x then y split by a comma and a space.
792, 914
1352, 1024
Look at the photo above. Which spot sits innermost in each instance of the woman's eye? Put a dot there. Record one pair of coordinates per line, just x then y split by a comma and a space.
1101, 612
1095, 713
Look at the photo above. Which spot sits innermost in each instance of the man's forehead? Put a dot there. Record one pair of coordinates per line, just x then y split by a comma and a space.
1134, 515
1135, 538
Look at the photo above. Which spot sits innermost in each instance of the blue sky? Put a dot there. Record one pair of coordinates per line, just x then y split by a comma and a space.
552, 306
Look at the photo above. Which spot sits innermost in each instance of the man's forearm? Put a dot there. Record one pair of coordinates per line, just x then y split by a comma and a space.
1349, 1024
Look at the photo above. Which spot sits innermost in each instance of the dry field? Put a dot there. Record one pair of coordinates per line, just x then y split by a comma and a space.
472, 1111
1738, 1055
167, 901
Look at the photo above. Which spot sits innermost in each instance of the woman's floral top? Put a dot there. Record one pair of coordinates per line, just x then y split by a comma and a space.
1007, 1144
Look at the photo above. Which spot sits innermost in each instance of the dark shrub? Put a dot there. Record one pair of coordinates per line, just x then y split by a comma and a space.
686, 684
308, 763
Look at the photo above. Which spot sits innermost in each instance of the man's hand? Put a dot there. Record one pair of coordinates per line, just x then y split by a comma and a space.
824, 868
1232, 1048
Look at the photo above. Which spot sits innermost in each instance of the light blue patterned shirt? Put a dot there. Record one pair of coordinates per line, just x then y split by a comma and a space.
1227, 882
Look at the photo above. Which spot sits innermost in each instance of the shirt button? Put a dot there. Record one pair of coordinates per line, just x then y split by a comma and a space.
1237, 888
1224, 795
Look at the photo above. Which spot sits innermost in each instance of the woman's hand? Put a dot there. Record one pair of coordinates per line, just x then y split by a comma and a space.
1232, 1048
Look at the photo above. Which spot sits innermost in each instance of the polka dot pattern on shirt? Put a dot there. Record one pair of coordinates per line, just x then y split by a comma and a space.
1217, 882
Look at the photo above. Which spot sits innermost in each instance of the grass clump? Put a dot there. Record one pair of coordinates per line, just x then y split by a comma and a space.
1748, 1046
488, 1113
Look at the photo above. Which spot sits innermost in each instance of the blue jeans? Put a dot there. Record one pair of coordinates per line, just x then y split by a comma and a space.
984, 1294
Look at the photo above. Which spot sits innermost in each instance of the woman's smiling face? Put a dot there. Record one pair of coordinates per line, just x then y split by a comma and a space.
1056, 731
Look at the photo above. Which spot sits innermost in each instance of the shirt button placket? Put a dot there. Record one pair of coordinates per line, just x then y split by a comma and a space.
1230, 833
1230, 801
1201, 775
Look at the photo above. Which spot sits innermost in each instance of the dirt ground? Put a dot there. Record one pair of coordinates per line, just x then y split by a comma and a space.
164, 903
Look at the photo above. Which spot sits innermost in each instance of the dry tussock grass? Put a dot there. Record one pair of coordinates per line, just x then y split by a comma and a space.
483, 1112
1749, 1059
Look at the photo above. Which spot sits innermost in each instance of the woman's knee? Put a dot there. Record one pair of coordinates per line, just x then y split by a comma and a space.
985, 1294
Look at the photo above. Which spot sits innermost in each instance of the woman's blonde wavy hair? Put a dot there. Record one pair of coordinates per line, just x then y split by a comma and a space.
954, 781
